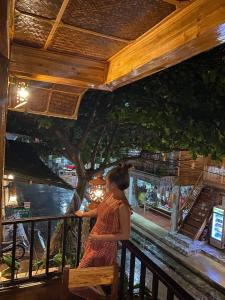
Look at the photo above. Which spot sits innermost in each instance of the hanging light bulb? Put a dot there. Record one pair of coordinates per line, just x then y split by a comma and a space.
22, 94
97, 188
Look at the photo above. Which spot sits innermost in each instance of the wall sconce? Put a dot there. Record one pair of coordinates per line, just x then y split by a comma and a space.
22, 94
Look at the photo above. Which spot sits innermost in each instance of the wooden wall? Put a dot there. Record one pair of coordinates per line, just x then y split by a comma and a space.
189, 170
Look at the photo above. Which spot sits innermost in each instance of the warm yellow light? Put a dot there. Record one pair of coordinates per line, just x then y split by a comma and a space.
97, 193
97, 188
22, 94
12, 201
10, 177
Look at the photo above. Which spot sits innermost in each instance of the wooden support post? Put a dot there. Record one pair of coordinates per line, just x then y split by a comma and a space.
3, 110
4, 63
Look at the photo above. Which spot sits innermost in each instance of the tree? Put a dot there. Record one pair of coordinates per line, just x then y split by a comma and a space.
182, 107
96, 138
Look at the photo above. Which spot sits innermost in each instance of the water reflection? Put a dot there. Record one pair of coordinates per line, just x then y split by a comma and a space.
45, 200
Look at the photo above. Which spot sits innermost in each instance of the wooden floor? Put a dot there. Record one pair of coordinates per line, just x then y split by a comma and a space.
153, 217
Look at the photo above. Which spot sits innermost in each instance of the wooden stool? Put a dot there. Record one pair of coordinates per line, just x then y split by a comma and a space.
91, 277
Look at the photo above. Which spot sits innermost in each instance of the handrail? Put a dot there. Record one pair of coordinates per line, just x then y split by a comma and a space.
192, 191
47, 270
173, 288
38, 219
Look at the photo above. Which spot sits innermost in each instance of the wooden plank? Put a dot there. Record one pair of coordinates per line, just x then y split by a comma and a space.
42, 65
56, 23
185, 33
90, 276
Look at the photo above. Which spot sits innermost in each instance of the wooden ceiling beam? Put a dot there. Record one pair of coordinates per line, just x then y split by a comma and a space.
56, 23
185, 33
178, 3
106, 36
47, 66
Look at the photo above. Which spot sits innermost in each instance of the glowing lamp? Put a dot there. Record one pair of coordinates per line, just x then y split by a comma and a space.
97, 188
10, 177
12, 199
22, 94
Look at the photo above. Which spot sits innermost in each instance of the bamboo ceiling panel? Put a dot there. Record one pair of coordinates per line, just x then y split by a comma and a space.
84, 44
30, 30
45, 8
127, 19
45, 101
63, 104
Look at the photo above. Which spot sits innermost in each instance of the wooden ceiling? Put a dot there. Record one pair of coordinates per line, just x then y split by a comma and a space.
69, 46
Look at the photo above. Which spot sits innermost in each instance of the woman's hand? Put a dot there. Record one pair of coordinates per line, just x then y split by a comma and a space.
94, 237
79, 213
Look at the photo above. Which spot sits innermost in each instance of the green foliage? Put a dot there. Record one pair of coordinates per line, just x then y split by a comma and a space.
56, 261
7, 259
38, 264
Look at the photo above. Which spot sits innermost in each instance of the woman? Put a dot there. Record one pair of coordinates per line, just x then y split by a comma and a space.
113, 221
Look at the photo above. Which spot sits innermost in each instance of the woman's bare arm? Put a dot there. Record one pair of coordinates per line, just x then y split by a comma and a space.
124, 234
87, 214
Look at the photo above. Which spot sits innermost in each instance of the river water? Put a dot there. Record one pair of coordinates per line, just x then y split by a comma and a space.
45, 200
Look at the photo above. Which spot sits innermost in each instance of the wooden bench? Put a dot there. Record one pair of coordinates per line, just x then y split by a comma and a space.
91, 277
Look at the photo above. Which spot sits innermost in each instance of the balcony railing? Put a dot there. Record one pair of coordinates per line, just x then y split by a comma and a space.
128, 272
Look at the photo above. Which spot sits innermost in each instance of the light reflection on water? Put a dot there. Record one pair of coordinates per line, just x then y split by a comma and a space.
45, 200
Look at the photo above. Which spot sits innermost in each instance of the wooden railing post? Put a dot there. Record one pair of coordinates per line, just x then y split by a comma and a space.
4, 62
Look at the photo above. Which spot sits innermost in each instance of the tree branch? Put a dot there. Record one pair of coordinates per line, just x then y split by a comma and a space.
117, 162
96, 147
87, 129
108, 149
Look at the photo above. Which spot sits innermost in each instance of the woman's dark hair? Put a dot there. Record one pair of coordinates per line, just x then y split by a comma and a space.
120, 176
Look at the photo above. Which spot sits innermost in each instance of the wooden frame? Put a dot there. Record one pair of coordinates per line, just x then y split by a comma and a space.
4, 62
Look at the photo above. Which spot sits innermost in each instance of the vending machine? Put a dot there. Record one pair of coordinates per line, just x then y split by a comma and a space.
217, 238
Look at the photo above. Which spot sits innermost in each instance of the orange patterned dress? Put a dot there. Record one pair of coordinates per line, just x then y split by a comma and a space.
103, 253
